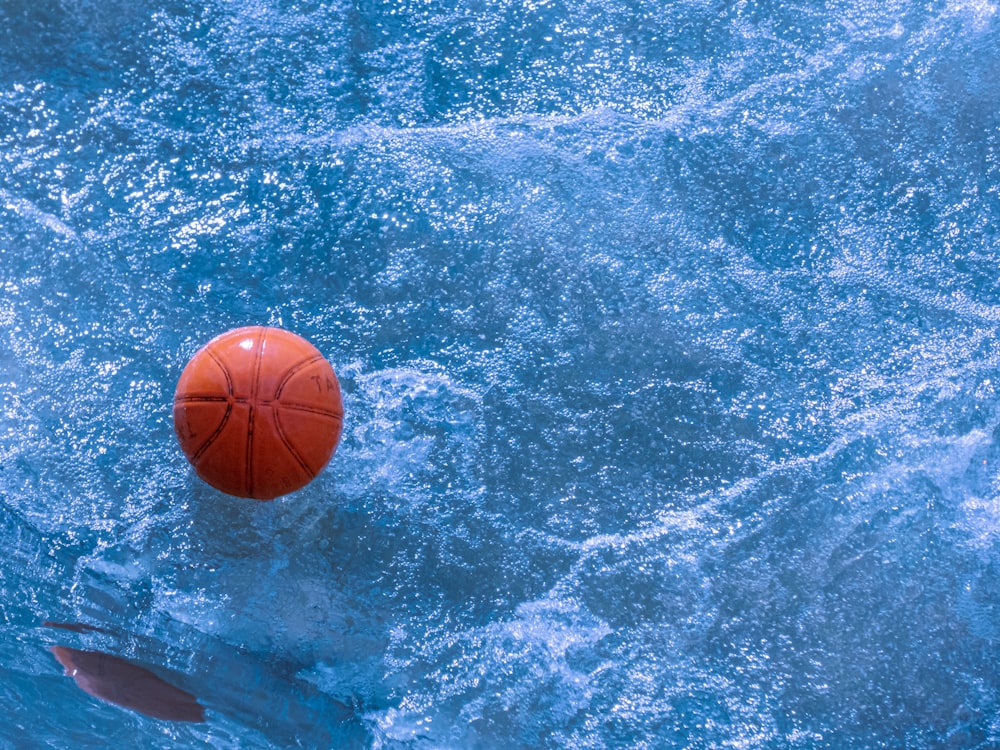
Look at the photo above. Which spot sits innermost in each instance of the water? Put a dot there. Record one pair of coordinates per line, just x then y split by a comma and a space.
667, 333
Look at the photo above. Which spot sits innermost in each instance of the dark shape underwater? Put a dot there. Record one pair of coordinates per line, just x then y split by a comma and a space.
117, 681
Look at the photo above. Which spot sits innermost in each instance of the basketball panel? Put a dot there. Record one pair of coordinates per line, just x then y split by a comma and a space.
276, 466
203, 377
239, 351
313, 386
222, 462
197, 422
311, 435
281, 353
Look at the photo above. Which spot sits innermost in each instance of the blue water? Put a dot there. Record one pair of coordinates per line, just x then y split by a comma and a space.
668, 338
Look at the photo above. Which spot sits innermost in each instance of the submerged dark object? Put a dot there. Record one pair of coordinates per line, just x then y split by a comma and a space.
124, 684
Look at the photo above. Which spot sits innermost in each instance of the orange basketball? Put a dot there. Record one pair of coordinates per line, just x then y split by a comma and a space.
258, 412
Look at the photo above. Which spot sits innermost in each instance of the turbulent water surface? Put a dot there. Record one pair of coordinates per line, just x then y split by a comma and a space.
668, 339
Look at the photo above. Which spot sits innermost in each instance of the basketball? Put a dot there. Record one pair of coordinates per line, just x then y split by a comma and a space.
258, 412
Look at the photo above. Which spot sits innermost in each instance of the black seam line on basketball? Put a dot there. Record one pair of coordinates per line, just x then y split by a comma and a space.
225, 417
211, 438
225, 370
291, 372
311, 409
254, 388
187, 399
284, 439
